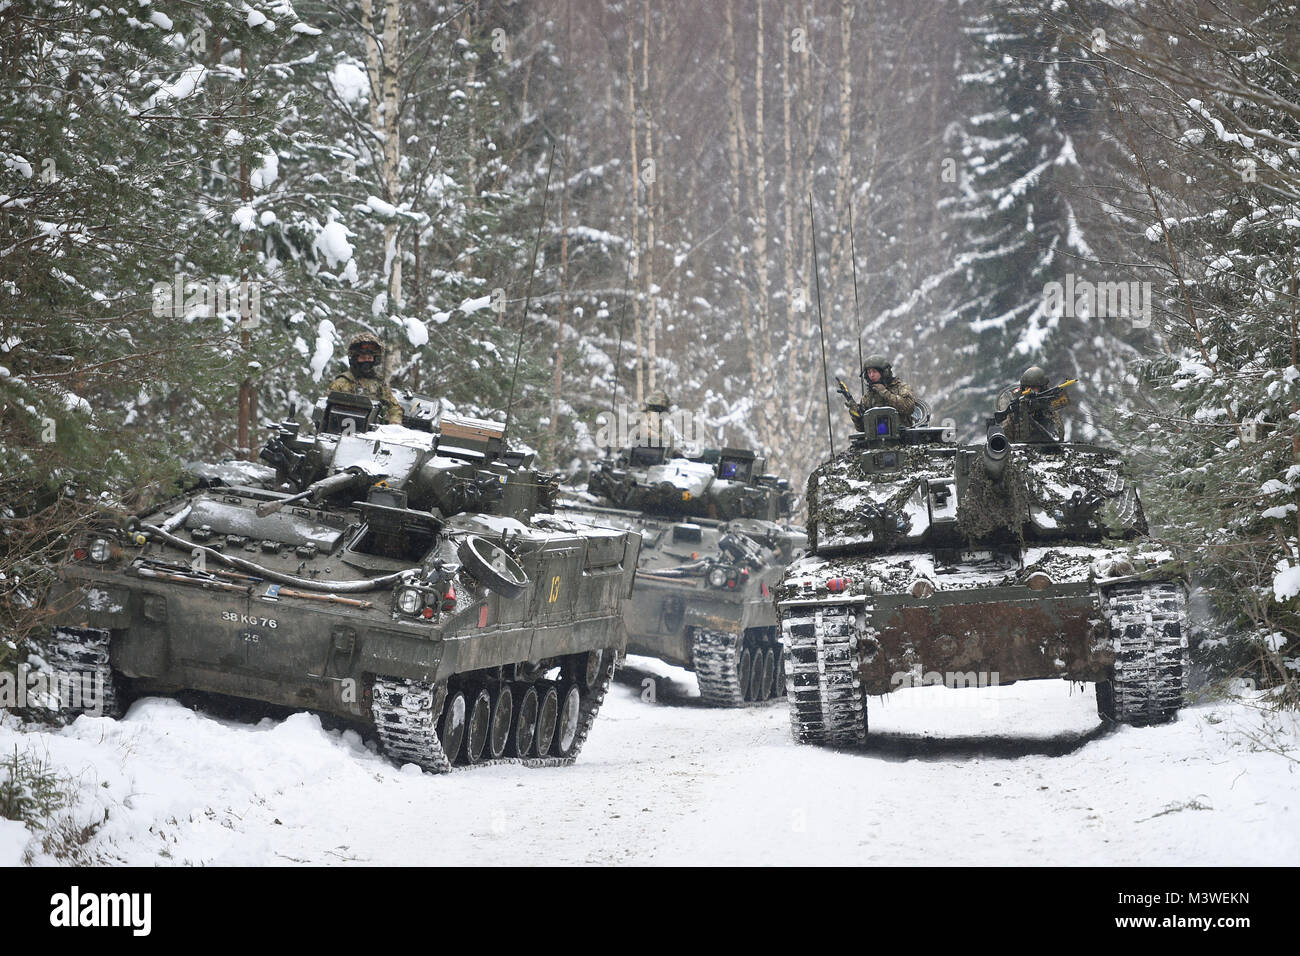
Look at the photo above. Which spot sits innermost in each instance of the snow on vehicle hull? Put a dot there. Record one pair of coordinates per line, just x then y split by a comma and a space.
910, 581
434, 610
712, 551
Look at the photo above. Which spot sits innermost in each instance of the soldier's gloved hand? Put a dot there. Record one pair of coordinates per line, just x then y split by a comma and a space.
879, 389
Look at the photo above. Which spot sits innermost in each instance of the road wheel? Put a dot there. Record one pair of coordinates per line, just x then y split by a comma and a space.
767, 675
568, 718
547, 712
451, 729
503, 700
491, 565
478, 725
521, 741
594, 666
745, 673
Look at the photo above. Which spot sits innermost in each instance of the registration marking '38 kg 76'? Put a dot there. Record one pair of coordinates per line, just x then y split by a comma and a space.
236, 617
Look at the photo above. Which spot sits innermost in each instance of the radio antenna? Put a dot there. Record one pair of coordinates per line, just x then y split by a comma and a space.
618, 354
528, 298
853, 257
826, 385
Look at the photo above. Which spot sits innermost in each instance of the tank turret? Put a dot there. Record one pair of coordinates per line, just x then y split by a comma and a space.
719, 484
716, 536
1016, 560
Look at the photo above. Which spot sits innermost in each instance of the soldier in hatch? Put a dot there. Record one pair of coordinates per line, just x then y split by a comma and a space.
880, 387
365, 354
657, 428
1026, 415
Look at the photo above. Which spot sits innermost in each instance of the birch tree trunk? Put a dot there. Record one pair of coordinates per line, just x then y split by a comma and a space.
651, 192
637, 337
557, 383
391, 61
383, 58
844, 169
759, 328
735, 154
805, 365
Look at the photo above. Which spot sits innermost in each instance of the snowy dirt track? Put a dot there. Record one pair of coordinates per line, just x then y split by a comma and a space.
1018, 775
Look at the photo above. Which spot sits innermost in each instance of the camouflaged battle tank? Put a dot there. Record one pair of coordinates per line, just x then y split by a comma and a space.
967, 565
715, 539
407, 584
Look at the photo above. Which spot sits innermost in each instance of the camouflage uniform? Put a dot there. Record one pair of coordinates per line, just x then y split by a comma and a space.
897, 395
657, 427
350, 382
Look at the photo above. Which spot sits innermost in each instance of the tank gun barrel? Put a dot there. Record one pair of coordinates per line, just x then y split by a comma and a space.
996, 447
317, 490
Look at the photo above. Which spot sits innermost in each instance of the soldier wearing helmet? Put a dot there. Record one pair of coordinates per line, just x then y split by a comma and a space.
657, 428
880, 387
1030, 420
365, 353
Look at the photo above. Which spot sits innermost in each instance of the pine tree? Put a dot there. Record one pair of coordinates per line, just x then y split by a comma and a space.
1031, 106
1223, 220
104, 200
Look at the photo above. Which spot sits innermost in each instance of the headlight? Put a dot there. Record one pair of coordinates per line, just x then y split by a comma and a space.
408, 600
717, 577
100, 550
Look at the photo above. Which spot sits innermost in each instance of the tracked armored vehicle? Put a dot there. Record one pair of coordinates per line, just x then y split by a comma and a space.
398, 580
716, 538
935, 563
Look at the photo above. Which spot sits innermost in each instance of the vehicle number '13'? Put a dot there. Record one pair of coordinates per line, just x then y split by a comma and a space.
555, 590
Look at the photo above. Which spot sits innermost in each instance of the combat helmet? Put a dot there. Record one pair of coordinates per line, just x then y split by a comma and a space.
876, 360
658, 402
364, 352
1034, 377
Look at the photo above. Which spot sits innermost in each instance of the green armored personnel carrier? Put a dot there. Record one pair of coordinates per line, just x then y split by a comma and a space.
716, 537
397, 579
933, 563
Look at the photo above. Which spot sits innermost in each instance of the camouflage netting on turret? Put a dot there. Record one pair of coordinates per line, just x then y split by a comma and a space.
1054, 477
1066, 492
849, 504
989, 506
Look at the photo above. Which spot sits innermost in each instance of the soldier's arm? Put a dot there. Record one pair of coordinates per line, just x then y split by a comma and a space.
903, 402
393, 407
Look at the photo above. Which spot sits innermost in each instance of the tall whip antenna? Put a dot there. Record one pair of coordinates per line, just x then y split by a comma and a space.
826, 385
528, 298
618, 354
853, 257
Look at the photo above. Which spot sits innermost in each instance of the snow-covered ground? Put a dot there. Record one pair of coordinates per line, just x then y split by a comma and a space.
1006, 775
